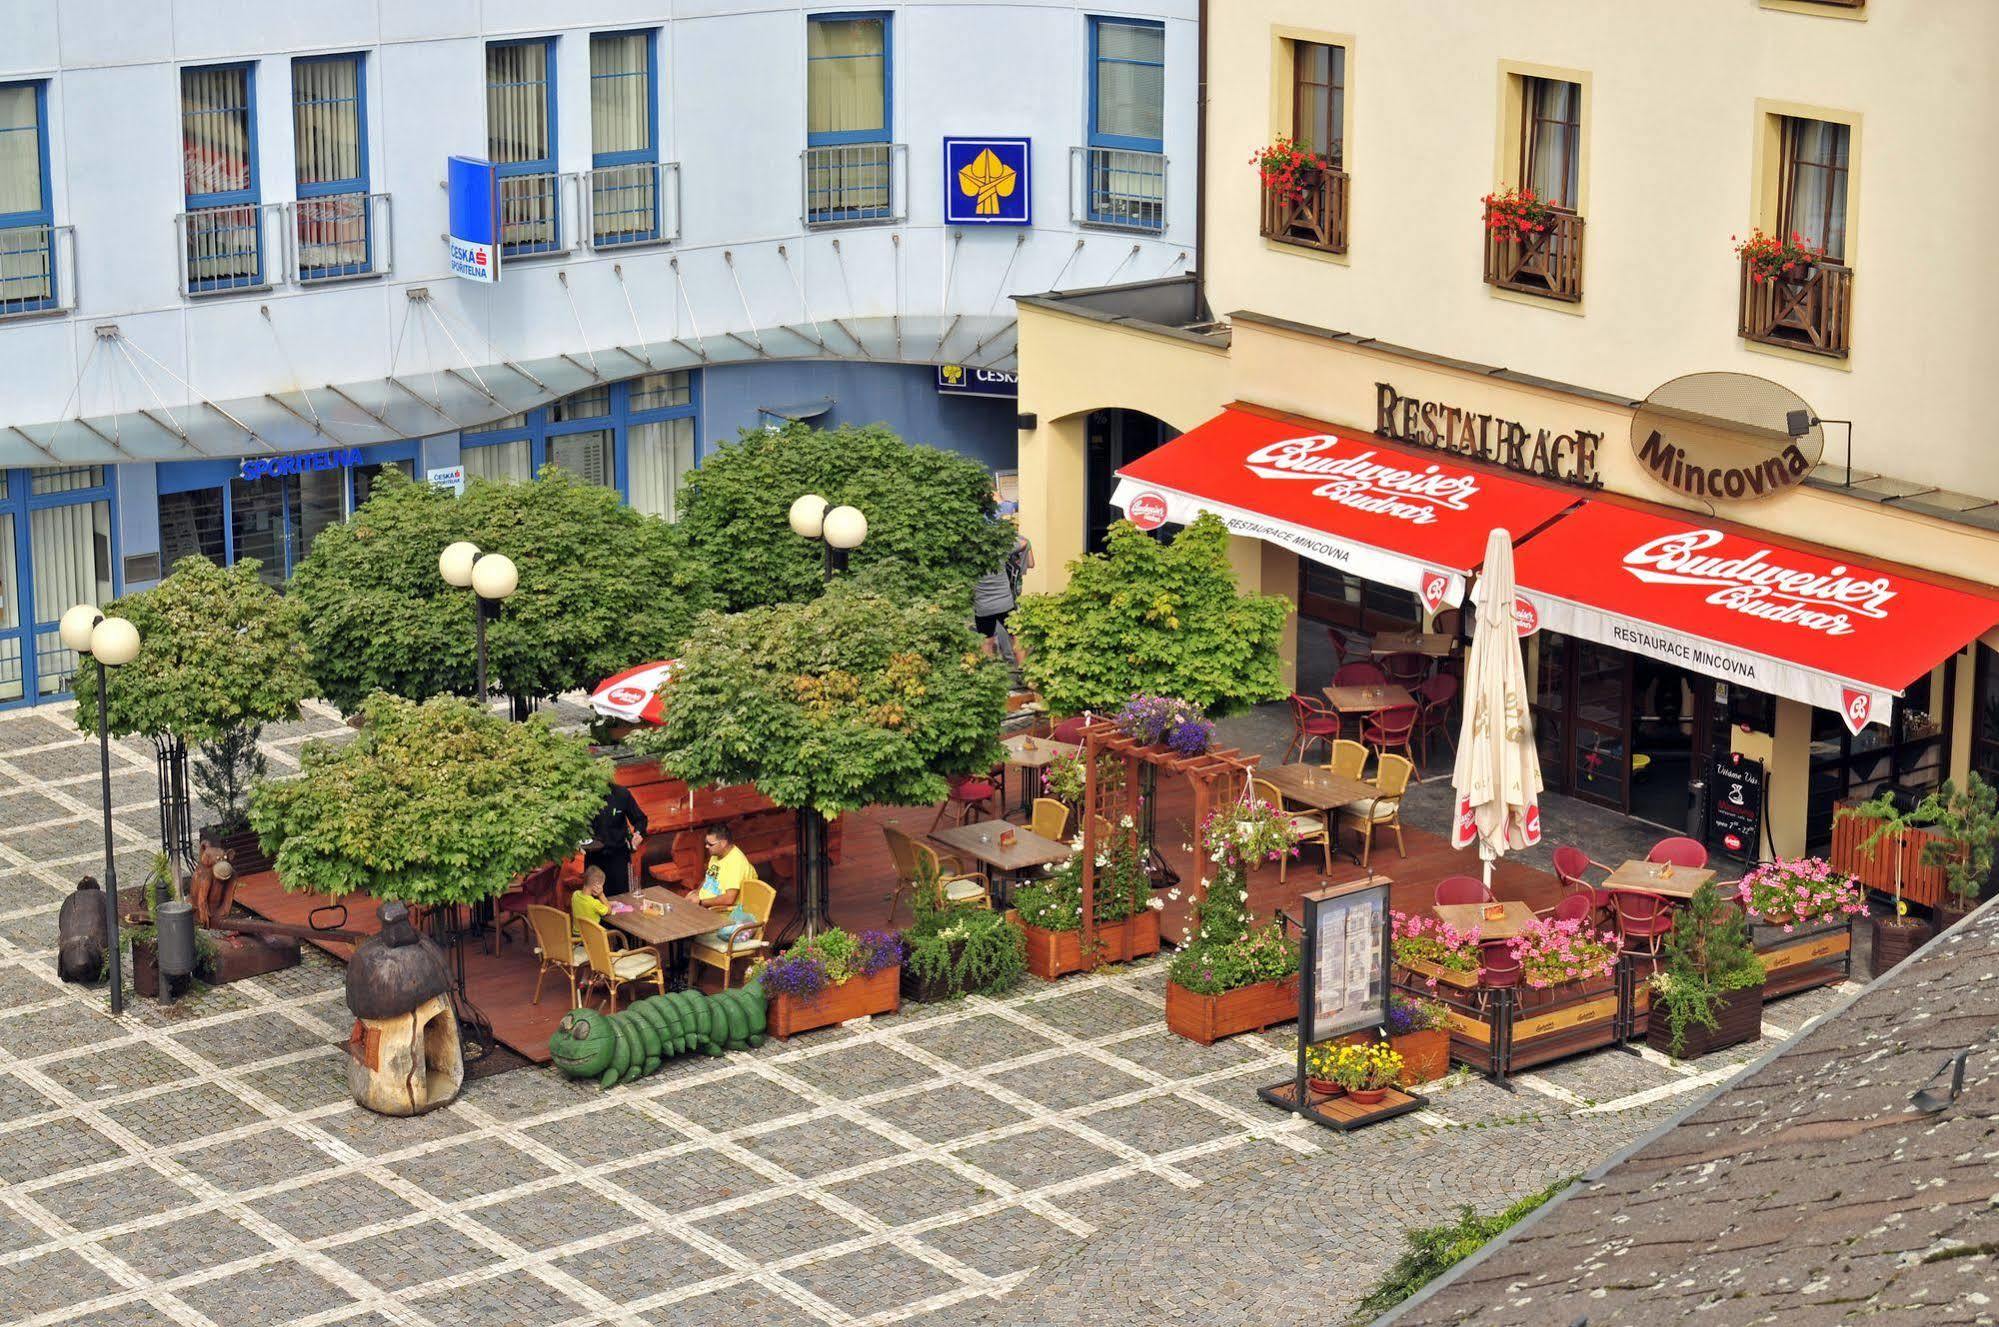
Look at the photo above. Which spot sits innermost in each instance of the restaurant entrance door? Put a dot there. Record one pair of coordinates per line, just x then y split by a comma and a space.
1616, 729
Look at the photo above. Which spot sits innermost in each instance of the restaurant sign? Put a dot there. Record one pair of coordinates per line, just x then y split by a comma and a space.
1725, 436
1569, 457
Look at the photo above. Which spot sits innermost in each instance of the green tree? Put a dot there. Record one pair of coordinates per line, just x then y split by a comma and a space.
837, 703
1146, 617
434, 803
220, 655
602, 587
930, 512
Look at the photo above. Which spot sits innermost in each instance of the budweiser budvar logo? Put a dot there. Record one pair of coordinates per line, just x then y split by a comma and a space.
1464, 827
1147, 511
1855, 708
1357, 480
625, 695
1755, 585
1432, 588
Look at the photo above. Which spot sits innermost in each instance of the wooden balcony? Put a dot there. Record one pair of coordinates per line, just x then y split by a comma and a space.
1814, 315
1317, 221
1549, 264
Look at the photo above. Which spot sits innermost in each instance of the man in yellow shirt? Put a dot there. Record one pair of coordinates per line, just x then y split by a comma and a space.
729, 869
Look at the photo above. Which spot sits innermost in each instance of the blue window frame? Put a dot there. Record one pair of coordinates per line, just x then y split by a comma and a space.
27, 221
1127, 84
330, 132
520, 142
56, 550
636, 436
848, 85
224, 227
624, 137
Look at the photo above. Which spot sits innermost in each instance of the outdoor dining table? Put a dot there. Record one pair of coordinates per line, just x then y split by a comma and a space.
1434, 644
1027, 753
1318, 788
1462, 917
1678, 882
679, 920
980, 841
1368, 698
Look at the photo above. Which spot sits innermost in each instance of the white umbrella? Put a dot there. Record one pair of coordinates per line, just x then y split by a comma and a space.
1498, 773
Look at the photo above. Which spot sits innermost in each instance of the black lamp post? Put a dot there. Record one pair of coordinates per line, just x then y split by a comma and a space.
111, 642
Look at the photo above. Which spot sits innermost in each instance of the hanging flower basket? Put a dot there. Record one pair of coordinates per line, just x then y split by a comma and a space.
1773, 259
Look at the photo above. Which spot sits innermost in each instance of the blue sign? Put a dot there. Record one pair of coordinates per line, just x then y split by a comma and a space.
964, 380
987, 182
474, 239
261, 467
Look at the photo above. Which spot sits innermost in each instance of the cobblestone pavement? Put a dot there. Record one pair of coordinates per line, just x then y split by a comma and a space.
203, 1164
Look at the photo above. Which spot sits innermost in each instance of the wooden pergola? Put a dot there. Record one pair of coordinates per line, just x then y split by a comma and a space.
1218, 770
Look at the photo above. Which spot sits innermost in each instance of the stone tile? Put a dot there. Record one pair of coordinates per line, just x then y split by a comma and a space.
320, 1080
1115, 1201
872, 1280
174, 1248
63, 840
138, 1313
182, 1115
688, 1181
256, 1160
654, 1263
951, 1111
530, 1092
19, 1098
20, 987
618, 1130
243, 1041
378, 1135
861, 1070
458, 1173
1605, 1075
130, 1193
37, 1032
976, 1042
514, 1297
31, 932
779, 1229
49, 1282
1067, 1081
735, 1102
95, 1075
1171, 1058
413, 1255
1477, 1101
23, 806
28, 729
332, 1207
51, 1150
1094, 1013
916, 1192
817, 1146
18, 1233
749, 1305
1039, 1158
274, 1293
1161, 1124
1001, 1243
548, 1217
62, 762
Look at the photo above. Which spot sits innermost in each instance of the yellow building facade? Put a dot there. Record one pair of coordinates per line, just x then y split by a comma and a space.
1654, 139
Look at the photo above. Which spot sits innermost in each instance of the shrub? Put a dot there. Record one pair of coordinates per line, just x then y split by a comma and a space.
1434, 1250
1707, 954
965, 950
1054, 902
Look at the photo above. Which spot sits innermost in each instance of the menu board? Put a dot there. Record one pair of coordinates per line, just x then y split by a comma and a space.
1735, 806
1346, 936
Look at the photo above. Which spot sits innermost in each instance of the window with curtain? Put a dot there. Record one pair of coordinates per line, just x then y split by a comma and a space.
1813, 200
624, 142
846, 79
1319, 98
330, 146
70, 550
520, 141
1551, 118
658, 456
224, 224
588, 456
590, 403
1128, 84
507, 461
27, 249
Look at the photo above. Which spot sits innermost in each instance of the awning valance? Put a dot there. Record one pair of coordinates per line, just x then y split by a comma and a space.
1745, 608
1406, 518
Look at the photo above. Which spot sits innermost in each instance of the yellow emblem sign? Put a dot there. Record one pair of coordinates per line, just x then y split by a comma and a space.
987, 179
952, 374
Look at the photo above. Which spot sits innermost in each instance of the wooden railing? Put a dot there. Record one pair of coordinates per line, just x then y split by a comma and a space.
1549, 263
1318, 220
1874, 867
1815, 314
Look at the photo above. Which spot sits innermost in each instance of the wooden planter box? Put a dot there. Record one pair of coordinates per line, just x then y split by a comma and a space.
1894, 943
1813, 954
1875, 868
1426, 1056
1739, 1019
236, 957
1493, 1034
1052, 954
1209, 1018
853, 998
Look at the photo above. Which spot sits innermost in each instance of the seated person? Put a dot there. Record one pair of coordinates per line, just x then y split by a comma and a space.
588, 904
728, 868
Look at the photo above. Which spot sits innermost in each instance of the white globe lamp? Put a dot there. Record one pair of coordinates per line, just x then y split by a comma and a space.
846, 527
114, 642
455, 563
77, 624
495, 576
808, 515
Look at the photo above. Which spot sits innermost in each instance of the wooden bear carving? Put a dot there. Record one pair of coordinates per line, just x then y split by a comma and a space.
213, 887
80, 933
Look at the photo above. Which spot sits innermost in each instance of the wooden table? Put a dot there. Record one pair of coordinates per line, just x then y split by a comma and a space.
1316, 786
682, 921
980, 842
1432, 644
1023, 757
1681, 884
1471, 917
1368, 698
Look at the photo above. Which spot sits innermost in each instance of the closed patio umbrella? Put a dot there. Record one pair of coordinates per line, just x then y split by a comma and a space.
1497, 778
635, 695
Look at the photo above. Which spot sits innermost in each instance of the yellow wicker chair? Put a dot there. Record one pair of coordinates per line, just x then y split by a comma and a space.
619, 968
556, 946
1392, 777
1349, 758
757, 899
1051, 818
966, 889
1309, 826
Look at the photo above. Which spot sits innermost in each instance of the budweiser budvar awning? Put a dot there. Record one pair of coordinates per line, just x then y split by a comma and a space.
1745, 608
1400, 517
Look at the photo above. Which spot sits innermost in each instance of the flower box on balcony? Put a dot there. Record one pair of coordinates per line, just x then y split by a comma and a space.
1533, 247
1052, 954
842, 1002
1809, 308
1209, 1018
1311, 214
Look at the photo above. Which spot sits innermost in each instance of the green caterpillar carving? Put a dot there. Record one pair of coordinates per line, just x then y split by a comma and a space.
616, 1048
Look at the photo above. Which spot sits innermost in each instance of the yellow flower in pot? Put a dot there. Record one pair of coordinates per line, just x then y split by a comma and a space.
1367, 1071
1322, 1069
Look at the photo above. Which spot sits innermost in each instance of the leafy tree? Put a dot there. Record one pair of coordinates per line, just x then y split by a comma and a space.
837, 703
929, 511
434, 803
602, 587
1146, 617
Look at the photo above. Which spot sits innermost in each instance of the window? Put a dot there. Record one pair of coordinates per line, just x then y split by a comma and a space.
520, 141
636, 437
27, 239
1319, 99
1812, 198
1551, 117
847, 107
1985, 715
1124, 170
224, 231
624, 139
55, 551
329, 139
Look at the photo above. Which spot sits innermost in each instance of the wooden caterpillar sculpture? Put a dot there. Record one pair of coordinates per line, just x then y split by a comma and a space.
617, 1048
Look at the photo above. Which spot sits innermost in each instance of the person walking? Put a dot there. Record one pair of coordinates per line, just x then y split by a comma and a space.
997, 593
615, 834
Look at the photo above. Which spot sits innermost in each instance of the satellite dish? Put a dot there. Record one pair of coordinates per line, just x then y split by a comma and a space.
1726, 437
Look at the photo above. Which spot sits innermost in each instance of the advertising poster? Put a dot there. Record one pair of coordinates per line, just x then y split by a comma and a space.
1345, 943
1735, 806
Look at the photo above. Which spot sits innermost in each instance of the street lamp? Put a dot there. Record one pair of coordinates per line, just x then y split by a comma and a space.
492, 577
111, 642
840, 529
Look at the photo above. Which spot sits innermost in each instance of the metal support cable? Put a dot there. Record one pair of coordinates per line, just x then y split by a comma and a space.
582, 337
645, 355
1112, 278
62, 416
127, 346
291, 369
804, 305
464, 358
1056, 284
729, 261
680, 284
1019, 242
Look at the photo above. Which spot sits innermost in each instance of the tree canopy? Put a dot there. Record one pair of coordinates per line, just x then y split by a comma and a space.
434, 803
602, 587
837, 703
218, 650
1154, 618
929, 511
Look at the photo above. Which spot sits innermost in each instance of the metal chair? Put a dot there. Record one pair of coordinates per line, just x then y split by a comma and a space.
1311, 721
1407, 668
1434, 701
1577, 907
1460, 889
1359, 675
1497, 968
535, 889
1392, 728
1680, 851
1643, 917
968, 791
1069, 731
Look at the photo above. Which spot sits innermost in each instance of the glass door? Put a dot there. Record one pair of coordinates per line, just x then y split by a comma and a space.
13, 681
69, 554
1551, 708
1601, 719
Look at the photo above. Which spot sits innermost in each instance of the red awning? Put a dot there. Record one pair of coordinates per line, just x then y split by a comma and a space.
1404, 517
1744, 608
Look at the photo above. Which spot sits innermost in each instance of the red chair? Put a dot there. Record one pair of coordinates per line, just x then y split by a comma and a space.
1338, 640
1070, 730
1679, 851
1394, 727
968, 792
535, 889
1570, 863
1460, 889
1577, 907
1642, 917
1311, 722
1359, 675
1436, 697
1407, 669
1497, 968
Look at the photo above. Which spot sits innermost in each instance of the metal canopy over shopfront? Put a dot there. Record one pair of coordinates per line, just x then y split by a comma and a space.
1413, 520
1745, 608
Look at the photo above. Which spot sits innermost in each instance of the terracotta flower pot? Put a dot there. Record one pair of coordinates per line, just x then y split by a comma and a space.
1325, 1087
1366, 1096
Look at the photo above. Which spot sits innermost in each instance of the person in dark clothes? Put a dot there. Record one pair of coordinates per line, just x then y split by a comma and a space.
615, 835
